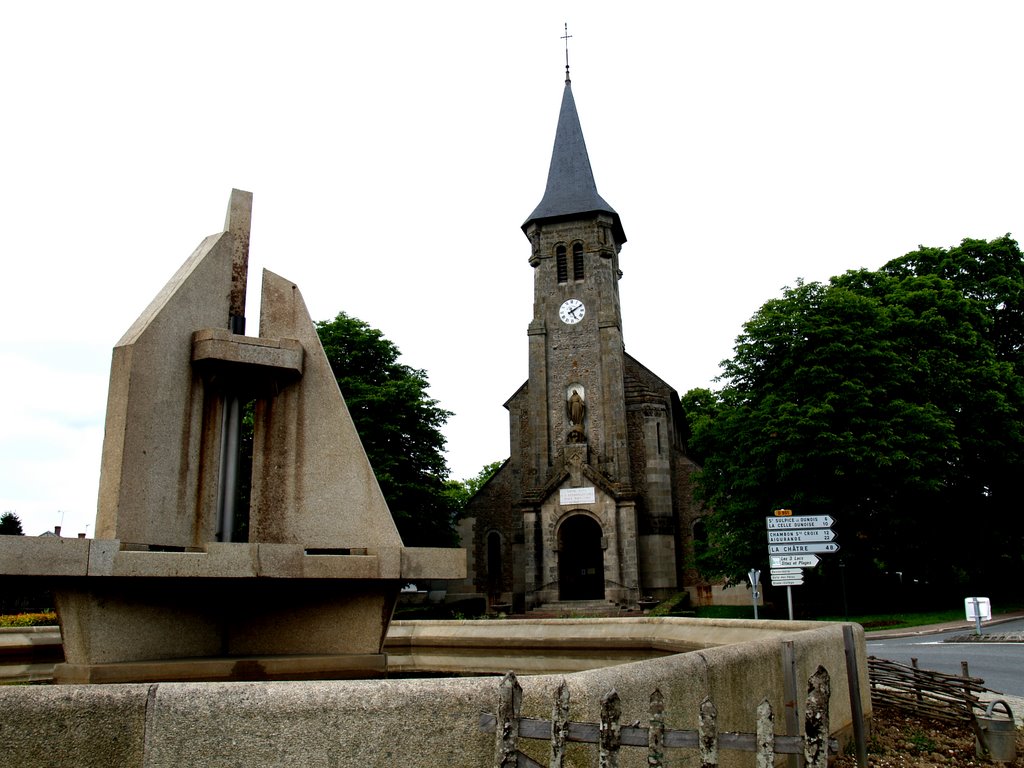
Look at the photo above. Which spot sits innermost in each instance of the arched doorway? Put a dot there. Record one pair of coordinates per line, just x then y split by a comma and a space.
580, 559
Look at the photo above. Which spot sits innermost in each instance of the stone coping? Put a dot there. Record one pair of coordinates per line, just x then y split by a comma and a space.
57, 557
662, 634
26, 641
416, 723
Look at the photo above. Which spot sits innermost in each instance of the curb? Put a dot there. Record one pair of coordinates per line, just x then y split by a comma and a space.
931, 629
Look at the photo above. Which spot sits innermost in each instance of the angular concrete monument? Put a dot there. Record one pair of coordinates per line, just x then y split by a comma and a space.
163, 592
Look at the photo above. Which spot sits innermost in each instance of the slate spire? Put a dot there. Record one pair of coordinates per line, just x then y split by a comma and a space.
571, 191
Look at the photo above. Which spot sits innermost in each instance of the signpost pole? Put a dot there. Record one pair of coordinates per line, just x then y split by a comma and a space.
789, 599
977, 616
754, 575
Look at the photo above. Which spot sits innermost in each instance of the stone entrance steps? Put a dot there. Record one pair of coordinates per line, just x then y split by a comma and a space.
569, 609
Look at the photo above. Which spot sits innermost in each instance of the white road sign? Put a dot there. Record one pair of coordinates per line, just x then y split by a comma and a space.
802, 549
799, 521
782, 537
786, 572
787, 581
793, 561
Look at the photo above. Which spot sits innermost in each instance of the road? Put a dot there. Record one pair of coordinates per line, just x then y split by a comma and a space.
1001, 665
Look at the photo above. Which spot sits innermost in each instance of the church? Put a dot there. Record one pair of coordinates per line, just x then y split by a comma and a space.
595, 502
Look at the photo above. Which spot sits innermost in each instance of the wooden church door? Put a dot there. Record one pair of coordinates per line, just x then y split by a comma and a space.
581, 560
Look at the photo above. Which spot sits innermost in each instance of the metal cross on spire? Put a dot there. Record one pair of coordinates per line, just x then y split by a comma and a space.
566, 37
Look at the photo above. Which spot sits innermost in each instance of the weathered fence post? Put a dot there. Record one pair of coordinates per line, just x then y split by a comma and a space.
506, 732
707, 733
969, 699
656, 732
917, 685
611, 731
765, 736
819, 690
789, 689
856, 707
559, 724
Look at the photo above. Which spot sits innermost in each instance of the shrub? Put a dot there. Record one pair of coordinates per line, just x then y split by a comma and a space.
45, 619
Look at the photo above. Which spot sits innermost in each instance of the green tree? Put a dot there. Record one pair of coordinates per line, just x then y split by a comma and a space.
891, 400
10, 524
460, 492
399, 425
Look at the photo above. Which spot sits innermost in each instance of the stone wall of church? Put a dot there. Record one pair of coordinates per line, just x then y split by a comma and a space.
493, 510
588, 354
690, 512
653, 445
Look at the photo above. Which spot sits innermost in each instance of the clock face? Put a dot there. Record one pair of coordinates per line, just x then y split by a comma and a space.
571, 311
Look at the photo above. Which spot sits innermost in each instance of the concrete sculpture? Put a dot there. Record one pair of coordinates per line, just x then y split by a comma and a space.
163, 593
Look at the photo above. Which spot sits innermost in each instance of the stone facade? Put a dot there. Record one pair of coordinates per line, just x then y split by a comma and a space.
595, 501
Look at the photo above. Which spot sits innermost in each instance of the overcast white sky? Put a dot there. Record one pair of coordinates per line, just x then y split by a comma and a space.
395, 148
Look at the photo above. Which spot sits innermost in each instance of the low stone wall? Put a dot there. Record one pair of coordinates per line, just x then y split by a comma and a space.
422, 722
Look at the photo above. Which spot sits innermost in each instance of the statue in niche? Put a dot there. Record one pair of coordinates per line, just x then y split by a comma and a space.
576, 409
534, 248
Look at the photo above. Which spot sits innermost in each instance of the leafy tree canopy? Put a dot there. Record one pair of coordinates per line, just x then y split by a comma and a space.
461, 491
10, 525
891, 400
399, 425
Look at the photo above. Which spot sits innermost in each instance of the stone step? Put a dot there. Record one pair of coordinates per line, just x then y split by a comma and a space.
572, 608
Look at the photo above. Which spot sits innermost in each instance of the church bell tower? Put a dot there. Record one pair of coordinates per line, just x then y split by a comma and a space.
594, 505
575, 336
576, 496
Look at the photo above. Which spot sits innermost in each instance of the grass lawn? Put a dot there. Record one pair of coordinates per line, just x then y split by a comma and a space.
870, 622
876, 621
879, 621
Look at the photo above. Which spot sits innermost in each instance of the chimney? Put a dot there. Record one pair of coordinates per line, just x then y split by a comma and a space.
56, 529
81, 535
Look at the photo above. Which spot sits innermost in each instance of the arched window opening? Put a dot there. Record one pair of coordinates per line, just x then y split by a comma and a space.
700, 531
577, 261
494, 560
563, 265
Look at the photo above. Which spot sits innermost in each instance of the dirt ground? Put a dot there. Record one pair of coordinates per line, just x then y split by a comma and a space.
899, 740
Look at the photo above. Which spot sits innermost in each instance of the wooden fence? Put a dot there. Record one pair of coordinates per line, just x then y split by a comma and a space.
925, 692
611, 735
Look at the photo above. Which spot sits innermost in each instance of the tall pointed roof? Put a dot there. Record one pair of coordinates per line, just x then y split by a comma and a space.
571, 190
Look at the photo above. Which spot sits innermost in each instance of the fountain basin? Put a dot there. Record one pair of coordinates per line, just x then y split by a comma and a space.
430, 722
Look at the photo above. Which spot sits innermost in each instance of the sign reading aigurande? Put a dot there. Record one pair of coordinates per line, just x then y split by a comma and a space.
793, 541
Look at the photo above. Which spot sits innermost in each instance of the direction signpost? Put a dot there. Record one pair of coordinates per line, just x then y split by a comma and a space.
787, 581
793, 561
799, 521
794, 543
805, 534
805, 548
